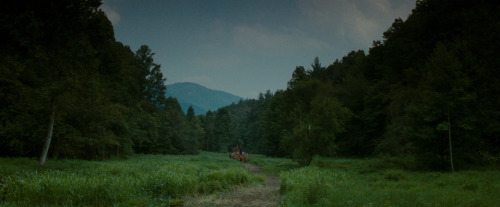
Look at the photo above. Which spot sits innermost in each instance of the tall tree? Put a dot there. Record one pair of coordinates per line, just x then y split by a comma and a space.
223, 131
299, 74
56, 48
154, 82
449, 94
209, 127
190, 113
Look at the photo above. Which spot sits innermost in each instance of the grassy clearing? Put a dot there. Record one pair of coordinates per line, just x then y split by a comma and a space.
272, 166
157, 180
143, 180
350, 182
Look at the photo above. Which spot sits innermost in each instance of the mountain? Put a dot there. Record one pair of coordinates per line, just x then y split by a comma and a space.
201, 98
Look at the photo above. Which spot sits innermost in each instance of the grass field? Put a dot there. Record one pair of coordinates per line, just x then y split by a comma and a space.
143, 180
273, 166
163, 180
351, 182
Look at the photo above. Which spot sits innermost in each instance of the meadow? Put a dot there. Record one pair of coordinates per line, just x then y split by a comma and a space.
164, 180
142, 180
374, 182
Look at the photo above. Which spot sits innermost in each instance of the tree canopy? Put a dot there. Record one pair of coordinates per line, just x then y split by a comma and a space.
426, 93
62, 69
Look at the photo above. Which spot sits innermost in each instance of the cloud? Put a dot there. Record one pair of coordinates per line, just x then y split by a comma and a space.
111, 13
355, 22
261, 39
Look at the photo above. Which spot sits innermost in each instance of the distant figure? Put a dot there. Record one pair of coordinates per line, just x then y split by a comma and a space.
238, 154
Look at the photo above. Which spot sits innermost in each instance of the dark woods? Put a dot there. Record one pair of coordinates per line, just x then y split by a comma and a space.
427, 94
64, 75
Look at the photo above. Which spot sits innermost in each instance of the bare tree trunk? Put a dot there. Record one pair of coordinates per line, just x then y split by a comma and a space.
449, 142
46, 146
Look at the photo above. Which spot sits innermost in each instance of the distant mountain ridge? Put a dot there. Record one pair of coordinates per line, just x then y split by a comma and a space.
200, 97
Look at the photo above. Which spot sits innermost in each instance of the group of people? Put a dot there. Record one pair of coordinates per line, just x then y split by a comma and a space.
238, 154
238, 149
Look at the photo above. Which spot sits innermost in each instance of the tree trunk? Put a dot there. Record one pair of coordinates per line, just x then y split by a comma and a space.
449, 142
46, 146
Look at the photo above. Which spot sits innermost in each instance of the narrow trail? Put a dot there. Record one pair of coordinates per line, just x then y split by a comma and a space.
263, 195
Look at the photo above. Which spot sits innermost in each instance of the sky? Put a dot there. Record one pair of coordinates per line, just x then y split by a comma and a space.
249, 46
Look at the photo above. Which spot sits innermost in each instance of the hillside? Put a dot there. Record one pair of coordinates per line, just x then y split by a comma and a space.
201, 98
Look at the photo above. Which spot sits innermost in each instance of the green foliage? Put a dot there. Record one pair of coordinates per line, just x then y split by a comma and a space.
437, 85
153, 86
372, 182
317, 119
246, 119
273, 166
223, 131
142, 180
190, 113
426, 90
307, 186
108, 101
208, 125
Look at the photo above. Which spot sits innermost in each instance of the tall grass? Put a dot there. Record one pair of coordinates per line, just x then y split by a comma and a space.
351, 182
157, 180
272, 166
143, 180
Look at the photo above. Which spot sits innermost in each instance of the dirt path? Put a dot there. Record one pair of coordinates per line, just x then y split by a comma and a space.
266, 195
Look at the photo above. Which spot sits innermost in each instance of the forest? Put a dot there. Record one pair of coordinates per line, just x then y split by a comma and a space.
426, 96
68, 84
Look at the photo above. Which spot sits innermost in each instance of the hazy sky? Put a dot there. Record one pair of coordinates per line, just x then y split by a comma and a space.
247, 47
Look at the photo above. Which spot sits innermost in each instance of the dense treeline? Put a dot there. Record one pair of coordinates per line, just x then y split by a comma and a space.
65, 81
427, 93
